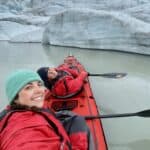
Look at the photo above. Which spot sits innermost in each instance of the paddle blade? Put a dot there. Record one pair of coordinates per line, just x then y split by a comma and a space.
144, 113
115, 75
121, 75
110, 75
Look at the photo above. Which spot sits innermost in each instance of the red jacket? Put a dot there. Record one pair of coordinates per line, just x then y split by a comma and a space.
28, 130
69, 84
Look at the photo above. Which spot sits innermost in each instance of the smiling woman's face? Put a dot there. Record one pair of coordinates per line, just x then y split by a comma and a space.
52, 73
32, 94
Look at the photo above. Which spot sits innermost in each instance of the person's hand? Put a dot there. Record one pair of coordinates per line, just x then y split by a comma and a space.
84, 73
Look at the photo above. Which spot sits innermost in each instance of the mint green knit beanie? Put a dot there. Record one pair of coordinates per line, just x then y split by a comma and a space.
17, 80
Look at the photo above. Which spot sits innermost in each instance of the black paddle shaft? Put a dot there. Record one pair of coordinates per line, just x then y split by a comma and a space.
144, 113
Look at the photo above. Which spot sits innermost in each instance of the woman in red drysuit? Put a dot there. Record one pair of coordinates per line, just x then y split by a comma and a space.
62, 81
27, 124
24, 125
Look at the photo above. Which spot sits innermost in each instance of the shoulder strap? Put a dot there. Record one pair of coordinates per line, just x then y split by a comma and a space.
66, 86
9, 113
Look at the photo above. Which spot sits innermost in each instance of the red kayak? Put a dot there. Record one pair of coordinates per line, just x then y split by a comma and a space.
83, 103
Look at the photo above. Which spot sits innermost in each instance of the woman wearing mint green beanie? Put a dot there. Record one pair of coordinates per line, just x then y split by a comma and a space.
24, 125
27, 124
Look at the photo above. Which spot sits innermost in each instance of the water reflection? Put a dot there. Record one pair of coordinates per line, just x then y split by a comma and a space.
128, 94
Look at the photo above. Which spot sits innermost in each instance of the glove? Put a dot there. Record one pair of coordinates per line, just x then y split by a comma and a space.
84, 73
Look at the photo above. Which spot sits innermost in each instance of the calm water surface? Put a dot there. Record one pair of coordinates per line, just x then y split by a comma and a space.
129, 94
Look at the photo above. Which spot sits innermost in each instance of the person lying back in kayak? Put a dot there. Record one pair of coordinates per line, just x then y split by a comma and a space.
62, 81
27, 124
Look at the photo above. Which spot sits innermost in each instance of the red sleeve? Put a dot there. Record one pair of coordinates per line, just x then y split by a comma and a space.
73, 72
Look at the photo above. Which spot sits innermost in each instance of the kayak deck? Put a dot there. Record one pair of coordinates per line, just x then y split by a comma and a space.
83, 104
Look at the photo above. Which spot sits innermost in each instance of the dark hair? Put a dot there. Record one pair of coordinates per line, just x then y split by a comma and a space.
13, 101
16, 106
43, 73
